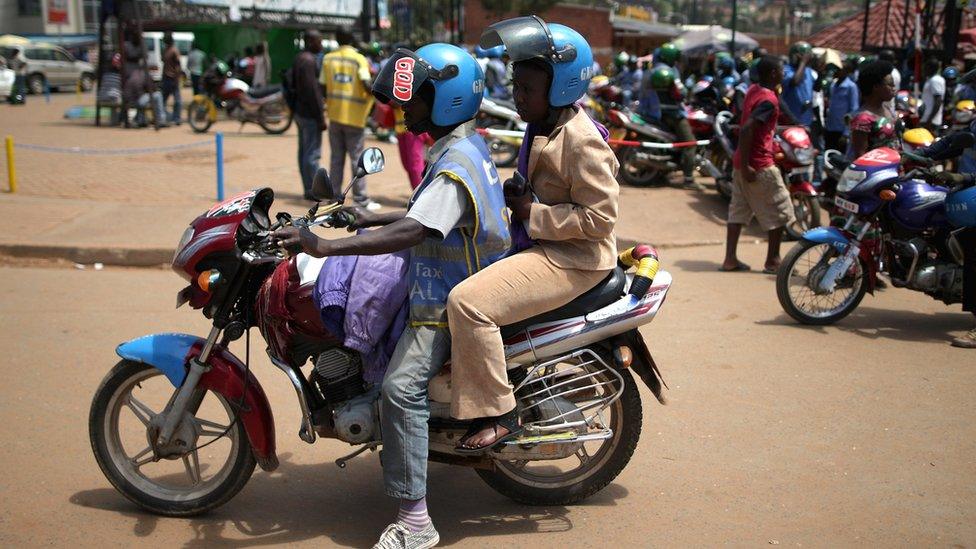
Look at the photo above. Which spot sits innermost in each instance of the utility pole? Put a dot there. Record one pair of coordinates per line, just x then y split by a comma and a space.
735, 16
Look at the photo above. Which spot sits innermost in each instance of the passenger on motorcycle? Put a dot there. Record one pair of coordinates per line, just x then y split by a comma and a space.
453, 226
873, 125
570, 213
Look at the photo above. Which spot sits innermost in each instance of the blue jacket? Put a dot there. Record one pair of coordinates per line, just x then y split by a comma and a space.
799, 98
844, 100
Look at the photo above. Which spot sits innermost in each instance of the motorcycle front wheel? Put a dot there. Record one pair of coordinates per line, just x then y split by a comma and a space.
723, 163
198, 115
207, 462
798, 279
636, 173
275, 118
806, 211
579, 476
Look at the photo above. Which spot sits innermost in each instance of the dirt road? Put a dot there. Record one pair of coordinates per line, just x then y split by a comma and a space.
858, 434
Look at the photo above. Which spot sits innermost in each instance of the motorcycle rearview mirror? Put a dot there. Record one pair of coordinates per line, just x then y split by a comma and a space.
322, 186
371, 161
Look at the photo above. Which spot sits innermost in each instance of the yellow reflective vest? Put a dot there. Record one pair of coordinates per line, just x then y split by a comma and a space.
346, 99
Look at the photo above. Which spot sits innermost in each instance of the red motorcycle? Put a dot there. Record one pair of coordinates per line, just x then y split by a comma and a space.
265, 106
174, 395
794, 156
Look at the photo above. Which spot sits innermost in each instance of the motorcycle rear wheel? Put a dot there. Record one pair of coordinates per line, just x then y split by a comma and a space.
638, 176
806, 210
163, 495
198, 115
276, 109
802, 303
542, 486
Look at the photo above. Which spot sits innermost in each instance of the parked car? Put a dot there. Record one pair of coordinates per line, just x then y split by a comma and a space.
51, 65
153, 42
6, 82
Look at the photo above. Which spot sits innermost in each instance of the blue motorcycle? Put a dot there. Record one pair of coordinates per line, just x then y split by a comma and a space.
905, 226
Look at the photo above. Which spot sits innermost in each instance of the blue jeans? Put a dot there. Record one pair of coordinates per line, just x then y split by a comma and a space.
171, 86
418, 357
309, 150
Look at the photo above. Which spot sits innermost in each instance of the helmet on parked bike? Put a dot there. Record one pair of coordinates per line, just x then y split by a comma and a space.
662, 78
564, 49
456, 77
668, 53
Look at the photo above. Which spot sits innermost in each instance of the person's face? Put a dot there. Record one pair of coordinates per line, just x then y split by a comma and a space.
886, 90
530, 91
415, 111
777, 74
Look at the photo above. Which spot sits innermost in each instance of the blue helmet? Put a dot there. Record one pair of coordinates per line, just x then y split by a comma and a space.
950, 73
479, 52
457, 79
566, 51
495, 53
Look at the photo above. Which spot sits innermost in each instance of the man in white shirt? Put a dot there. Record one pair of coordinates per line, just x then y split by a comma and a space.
933, 95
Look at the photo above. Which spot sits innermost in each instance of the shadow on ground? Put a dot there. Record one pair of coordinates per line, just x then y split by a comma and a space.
877, 324
301, 502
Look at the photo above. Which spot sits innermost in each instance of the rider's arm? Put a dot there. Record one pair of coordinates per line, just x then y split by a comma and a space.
590, 170
801, 71
394, 237
364, 75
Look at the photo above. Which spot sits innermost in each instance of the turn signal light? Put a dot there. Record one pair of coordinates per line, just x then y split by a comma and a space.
887, 195
207, 280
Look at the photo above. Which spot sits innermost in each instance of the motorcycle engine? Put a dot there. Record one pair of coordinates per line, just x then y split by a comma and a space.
357, 421
338, 375
940, 280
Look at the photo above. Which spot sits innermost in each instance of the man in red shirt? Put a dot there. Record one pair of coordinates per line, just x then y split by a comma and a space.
757, 186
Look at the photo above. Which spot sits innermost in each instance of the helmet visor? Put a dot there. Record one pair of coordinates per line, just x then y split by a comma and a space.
400, 79
525, 38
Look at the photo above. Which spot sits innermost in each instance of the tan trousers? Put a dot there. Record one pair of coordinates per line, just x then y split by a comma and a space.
513, 289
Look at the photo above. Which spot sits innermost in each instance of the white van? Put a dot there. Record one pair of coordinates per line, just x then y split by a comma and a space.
153, 42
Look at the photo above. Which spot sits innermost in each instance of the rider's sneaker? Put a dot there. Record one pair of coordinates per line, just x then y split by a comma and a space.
693, 185
967, 341
370, 205
398, 536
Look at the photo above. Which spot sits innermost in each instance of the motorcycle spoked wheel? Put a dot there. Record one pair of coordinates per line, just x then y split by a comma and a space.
278, 112
120, 424
638, 176
723, 163
802, 269
806, 212
503, 153
589, 470
198, 115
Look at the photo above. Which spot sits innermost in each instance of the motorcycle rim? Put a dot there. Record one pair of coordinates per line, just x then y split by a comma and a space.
806, 213
198, 115
635, 175
274, 118
178, 484
801, 272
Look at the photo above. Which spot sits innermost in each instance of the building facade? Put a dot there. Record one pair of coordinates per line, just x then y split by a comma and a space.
51, 17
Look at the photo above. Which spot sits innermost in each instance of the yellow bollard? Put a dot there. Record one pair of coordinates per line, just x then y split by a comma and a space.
11, 169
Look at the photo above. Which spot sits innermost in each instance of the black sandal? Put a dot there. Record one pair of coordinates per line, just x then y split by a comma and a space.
509, 421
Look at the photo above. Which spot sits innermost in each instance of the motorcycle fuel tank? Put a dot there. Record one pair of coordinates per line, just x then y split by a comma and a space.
920, 206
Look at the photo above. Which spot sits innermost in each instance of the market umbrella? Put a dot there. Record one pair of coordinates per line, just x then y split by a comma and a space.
830, 56
711, 39
13, 40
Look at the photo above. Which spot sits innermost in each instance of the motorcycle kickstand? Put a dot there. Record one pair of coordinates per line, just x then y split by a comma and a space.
341, 462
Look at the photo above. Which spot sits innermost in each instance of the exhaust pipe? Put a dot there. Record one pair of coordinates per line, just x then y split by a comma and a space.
709, 168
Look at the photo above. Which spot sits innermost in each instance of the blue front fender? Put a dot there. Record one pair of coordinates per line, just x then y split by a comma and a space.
166, 352
827, 235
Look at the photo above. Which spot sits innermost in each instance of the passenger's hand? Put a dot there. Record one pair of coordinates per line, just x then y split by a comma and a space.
361, 217
948, 179
520, 205
749, 173
296, 240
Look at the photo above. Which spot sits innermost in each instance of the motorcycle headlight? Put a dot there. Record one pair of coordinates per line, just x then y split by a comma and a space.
849, 180
187, 235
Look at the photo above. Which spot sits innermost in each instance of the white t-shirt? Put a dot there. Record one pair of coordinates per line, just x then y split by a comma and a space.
896, 76
933, 87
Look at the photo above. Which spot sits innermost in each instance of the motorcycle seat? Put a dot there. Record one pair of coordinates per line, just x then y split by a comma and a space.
606, 292
258, 93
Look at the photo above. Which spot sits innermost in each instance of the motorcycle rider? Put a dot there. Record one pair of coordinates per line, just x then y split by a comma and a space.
670, 111
453, 226
572, 174
798, 82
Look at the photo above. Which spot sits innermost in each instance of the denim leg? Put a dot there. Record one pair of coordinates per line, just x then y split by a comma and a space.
337, 156
354, 147
301, 151
418, 357
309, 150
177, 102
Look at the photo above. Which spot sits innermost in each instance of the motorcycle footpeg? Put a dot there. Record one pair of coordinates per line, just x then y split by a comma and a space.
341, 462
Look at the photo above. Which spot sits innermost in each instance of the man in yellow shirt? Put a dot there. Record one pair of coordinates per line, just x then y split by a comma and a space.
347, 82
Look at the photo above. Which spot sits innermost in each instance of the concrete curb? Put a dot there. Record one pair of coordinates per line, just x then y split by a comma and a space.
154, 257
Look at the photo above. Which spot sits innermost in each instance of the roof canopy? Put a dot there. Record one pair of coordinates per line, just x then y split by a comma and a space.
635, 27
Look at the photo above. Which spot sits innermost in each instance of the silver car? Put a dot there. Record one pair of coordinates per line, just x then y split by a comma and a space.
51, 65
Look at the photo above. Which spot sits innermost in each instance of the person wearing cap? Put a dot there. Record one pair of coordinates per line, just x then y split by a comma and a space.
453, 226
568, 208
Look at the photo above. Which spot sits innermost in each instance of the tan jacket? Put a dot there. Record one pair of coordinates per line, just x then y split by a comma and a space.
574, 174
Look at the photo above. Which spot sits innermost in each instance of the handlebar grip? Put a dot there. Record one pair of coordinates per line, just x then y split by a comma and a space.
342, 219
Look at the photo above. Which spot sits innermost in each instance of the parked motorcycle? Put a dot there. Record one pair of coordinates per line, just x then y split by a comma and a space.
901, 225
263, 106
500, 114
644, 166
172, 395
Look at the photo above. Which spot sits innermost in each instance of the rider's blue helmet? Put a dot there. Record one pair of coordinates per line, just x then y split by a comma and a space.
728, 82
950, 73
479, 52
495, 53
456, 77
564, 49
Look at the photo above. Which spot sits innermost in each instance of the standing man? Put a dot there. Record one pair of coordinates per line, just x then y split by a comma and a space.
194, 64
844, 101
933, 95
347, 82
172, 74
262, 66
309, 114
798, 80
757, 187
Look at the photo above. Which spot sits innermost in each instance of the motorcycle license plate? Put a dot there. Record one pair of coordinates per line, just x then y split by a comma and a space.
845, 205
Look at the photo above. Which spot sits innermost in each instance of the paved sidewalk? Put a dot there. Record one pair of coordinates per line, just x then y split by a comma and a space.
132, 209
